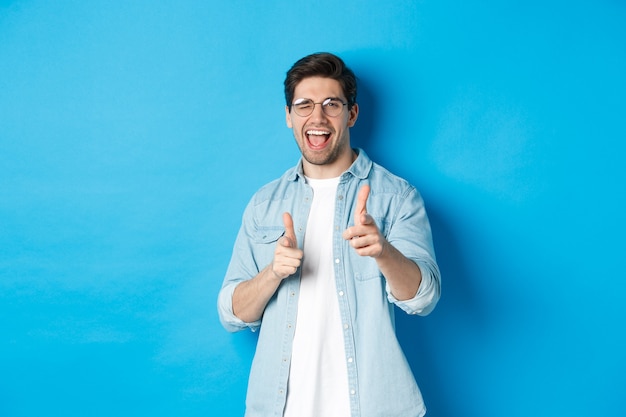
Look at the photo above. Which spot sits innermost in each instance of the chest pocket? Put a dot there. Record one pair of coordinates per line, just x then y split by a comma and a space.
265, 238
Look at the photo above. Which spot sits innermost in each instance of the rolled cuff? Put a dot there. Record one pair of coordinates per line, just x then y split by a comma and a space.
228, 319
427, 295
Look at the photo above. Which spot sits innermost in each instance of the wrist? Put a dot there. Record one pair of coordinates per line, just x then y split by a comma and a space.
271, 273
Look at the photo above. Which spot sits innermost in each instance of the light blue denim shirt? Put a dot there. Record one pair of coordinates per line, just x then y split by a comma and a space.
380, 380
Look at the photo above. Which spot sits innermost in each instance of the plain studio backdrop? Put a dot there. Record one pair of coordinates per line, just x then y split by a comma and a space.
133, 133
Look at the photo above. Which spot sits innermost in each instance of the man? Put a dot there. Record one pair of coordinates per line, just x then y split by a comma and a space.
323, 255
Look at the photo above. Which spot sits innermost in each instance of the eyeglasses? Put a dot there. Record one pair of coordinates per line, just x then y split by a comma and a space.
331, 107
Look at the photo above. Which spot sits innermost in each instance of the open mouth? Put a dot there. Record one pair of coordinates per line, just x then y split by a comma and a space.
317, 138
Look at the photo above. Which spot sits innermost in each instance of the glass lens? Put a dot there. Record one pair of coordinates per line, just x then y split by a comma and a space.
332, 107
303, 106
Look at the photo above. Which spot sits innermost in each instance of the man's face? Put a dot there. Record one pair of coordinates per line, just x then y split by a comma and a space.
323, 140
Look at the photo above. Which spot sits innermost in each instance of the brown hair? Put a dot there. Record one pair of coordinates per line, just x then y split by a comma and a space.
322, 64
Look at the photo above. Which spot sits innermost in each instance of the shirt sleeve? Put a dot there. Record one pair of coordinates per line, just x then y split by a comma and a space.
410, 233
242, 267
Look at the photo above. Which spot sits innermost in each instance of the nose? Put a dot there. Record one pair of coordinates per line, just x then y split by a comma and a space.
318, 112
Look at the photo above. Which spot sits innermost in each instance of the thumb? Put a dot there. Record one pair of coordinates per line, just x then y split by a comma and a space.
361, 205
290, 239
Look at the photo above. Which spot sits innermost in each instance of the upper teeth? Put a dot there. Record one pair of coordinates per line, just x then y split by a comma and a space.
317, 132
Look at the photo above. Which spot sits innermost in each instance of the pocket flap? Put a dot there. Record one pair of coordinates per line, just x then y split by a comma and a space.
269, 234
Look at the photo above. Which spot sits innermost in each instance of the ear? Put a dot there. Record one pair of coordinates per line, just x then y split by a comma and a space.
288, 117
353, 115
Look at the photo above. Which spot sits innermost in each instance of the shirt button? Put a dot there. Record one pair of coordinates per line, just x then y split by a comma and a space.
346, 326
337, 261
350, 360
341, 293
340, 197
352, 392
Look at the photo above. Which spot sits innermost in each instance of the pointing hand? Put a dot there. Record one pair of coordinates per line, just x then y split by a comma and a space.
287, 256
364, 236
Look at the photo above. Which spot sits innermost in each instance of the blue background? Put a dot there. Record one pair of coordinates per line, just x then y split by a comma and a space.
133, 133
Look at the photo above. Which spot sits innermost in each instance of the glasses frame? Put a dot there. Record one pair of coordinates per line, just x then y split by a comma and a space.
323, 103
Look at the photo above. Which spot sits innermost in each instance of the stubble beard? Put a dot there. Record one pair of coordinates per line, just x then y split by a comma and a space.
319, 159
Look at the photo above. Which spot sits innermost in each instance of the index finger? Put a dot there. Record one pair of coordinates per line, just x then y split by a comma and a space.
290, 233
361, 204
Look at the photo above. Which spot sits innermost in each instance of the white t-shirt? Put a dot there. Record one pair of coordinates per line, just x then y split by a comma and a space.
318, 376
